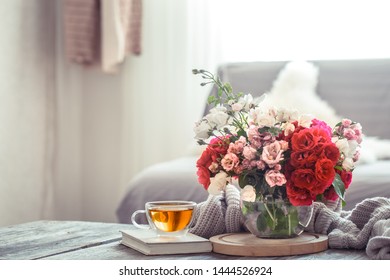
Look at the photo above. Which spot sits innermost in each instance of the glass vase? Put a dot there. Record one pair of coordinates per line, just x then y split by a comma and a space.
275, 218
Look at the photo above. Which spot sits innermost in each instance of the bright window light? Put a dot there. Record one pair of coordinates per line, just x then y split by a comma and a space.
290, 30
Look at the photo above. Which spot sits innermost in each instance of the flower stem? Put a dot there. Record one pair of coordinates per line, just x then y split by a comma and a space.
269, 212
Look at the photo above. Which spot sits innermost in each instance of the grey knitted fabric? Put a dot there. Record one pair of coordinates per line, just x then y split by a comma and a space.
366, 226
378, 246
218, 214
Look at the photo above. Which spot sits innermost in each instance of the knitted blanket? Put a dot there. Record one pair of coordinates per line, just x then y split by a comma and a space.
367, 226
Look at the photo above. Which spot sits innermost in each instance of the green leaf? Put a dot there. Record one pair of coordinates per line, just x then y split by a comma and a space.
241, 133
319, 197
219, 92
262, 222
339, 186
211, 99
263, 129
247, 207
338, 168
250, 178
228, 88
338, 124
275, 131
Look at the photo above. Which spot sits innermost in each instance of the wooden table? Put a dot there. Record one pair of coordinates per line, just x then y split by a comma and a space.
75, 240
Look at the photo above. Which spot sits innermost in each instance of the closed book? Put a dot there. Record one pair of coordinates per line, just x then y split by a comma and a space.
149, 243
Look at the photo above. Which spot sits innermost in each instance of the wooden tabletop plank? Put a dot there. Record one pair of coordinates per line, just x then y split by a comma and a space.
117, 251
76, 240
40, 239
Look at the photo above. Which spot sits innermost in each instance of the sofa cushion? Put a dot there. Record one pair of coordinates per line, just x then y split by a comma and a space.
369, 180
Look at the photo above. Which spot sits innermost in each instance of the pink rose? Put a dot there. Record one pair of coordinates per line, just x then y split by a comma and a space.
260, 164
246, 164
238, 146
346, 122
229, 161
350, 134
253, 163
238, 170
283, 145
249, 152
272, 154
254, 136
356, 156
275, 178
357, 127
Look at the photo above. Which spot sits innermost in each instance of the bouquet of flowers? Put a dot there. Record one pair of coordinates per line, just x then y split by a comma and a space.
273, 152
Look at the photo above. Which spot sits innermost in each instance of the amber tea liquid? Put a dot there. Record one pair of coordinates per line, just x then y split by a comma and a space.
169, 220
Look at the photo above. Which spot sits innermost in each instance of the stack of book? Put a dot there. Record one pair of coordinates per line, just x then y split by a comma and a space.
149, 243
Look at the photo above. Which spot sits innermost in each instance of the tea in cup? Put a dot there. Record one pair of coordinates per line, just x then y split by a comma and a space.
171, 218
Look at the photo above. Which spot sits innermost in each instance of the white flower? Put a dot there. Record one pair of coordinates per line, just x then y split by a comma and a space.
347, 147
288, 129
236, 107
353, 145
342, 145
246, 101
348, 164
218, 117
218, 183
248, 193
305, 120
287, 115
202, 129
263, 118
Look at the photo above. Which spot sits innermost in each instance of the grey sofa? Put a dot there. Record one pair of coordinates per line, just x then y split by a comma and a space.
357, 89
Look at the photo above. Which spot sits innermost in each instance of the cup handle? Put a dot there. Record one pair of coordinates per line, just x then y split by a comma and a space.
137, 224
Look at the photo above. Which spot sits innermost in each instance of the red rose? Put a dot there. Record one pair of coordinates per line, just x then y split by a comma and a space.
322, 125
330, 194
304, 179
303, 159
206, 159
219, 146
298, 196
203, 176
324, 171
303, 140
298, 158
321, 135
331, 152
288, 169
346, 177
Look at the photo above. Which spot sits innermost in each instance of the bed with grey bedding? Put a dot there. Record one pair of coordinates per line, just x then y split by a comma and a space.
357, 89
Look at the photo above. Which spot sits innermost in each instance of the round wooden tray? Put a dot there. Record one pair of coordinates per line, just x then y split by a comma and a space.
247, 244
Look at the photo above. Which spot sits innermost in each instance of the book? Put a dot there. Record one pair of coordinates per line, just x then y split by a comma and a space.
149, 243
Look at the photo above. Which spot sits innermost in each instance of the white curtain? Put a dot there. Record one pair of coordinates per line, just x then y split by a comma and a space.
71, 138
27, 84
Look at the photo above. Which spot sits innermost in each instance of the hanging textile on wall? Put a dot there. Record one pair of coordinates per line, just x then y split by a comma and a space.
102, 32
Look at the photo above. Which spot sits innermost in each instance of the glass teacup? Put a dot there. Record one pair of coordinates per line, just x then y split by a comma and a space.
167, 218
